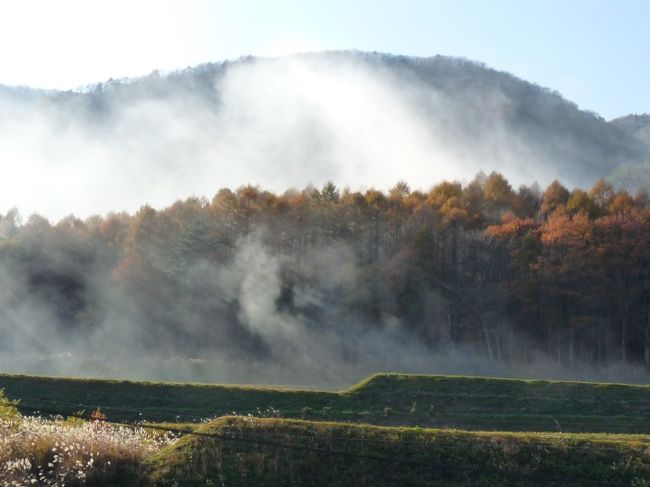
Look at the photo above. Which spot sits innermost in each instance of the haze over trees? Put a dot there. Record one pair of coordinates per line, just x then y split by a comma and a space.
331, 277
351, 117
322, 285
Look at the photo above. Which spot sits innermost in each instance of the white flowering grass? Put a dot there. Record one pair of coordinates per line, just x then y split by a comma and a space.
41, 452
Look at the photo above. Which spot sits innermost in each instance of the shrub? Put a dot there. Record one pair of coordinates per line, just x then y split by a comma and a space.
8, 409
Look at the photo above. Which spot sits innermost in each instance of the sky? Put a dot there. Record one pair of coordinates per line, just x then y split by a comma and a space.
594, 52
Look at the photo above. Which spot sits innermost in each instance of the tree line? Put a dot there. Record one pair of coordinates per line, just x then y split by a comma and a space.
508, 272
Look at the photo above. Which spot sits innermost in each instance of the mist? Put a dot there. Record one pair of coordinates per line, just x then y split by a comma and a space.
280, 123
360, 120
260, 316
256, 314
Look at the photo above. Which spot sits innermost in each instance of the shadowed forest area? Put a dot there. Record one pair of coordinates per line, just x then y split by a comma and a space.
342, 276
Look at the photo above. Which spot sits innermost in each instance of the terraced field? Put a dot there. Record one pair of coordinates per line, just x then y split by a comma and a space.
390, 429
293, 452
472, 403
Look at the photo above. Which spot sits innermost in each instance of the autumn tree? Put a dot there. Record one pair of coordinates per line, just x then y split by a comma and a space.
554, 197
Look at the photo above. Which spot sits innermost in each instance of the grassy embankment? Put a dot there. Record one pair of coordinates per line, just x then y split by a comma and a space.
327, 449
322, 453
384, 399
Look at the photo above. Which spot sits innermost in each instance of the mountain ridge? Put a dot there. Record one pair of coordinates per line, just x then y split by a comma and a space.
211, 66
482, 117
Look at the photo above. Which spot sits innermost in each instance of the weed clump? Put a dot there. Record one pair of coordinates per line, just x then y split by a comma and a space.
305, 412
8, 408
37, 451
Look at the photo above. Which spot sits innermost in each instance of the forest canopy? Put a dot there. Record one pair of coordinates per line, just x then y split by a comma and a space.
506, 273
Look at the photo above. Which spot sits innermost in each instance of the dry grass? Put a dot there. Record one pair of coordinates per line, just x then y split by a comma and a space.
39, 452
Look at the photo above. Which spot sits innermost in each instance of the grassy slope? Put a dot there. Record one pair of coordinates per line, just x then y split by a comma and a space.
395, 456
384, 399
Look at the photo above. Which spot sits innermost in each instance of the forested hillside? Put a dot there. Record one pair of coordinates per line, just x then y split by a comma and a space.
635, 125
332, 281
350, 117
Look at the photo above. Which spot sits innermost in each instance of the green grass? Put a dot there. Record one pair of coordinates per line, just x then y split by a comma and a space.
326, 453
390, 429
384, 399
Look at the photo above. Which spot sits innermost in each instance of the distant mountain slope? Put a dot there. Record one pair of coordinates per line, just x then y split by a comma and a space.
554, 131
636, 125
347, 116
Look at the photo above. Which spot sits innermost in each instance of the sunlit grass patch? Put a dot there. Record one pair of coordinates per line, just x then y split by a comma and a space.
55, 452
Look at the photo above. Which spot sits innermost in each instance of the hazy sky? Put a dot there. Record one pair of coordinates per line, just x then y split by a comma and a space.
595, 52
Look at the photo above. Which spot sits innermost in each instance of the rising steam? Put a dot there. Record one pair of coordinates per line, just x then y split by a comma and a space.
279, 123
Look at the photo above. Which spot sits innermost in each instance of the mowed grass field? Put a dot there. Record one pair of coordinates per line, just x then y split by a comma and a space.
390, 429
472, 403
